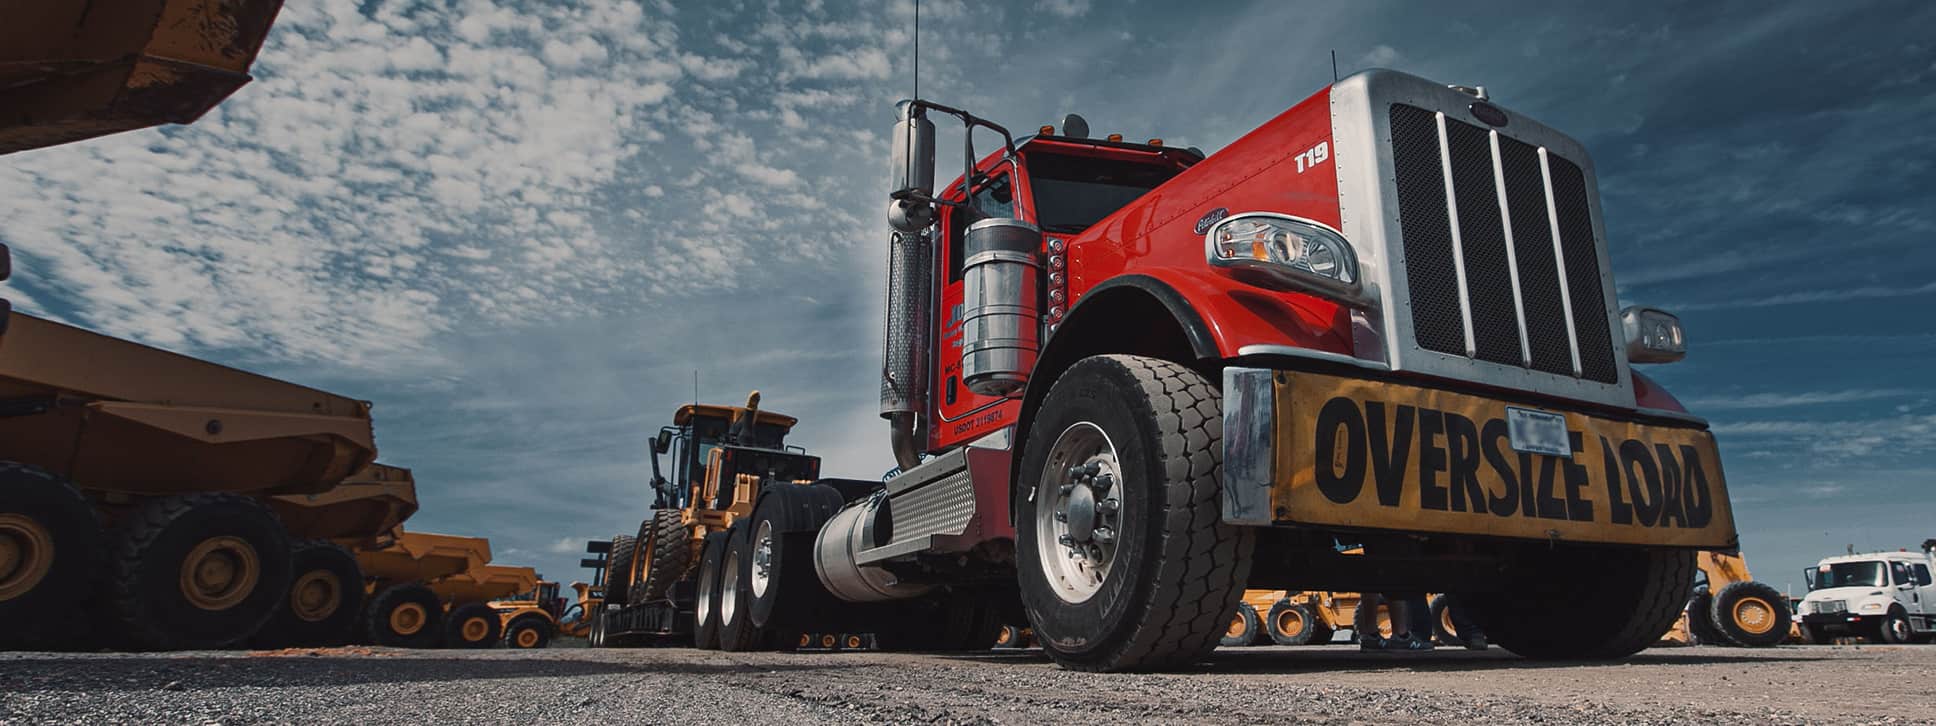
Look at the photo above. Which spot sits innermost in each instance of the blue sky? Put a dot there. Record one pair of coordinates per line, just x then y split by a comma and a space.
519, 228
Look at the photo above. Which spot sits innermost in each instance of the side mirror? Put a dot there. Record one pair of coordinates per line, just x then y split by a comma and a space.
663, 443
1809, 576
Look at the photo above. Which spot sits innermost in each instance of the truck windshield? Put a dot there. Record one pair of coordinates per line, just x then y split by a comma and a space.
1074, 192
1850, 574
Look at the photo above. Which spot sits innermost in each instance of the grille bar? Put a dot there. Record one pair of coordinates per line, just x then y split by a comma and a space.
1512, 258
1458, 243
1559, 259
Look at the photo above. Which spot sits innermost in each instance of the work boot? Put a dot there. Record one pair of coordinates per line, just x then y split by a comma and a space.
1476, 642
1409, 643
1371, 642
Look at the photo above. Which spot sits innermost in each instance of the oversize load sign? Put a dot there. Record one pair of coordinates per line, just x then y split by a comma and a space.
1383, 456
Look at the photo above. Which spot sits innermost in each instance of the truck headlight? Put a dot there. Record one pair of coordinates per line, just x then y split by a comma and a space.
1653, 336
1285, 252
1873, 607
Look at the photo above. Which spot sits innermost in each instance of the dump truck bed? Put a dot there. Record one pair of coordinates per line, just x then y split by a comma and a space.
357, 513
486, 582
424, 557
73, 70
113, 415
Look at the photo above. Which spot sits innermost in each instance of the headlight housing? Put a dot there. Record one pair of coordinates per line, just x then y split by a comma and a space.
1285, 252
1873, 607
1653, 335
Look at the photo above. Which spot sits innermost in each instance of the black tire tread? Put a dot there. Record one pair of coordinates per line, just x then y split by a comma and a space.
1252, 624
671, 554
1311, 624
1200, 564
618, 569
1638, 593
376, 616
453, 625
80, 554
148, 523
521, 622
1724, 602
285, 630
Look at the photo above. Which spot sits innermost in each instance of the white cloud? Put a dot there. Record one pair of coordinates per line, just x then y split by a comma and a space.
566, 545
1795, 398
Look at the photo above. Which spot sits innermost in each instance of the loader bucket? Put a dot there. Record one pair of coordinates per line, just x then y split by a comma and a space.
76, 70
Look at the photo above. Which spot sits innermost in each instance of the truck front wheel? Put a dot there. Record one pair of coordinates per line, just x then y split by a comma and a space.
1124, 563
1584, 602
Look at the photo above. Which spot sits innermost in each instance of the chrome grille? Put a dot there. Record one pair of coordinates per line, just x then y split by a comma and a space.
1829, 606
1479, 213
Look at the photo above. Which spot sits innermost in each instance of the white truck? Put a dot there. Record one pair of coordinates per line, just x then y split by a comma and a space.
1888, 597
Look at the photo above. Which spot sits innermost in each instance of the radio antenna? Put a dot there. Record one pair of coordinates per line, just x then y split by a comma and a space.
1334, 65
917, 50
695, 386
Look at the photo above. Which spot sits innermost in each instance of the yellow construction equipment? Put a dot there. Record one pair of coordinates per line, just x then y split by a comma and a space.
326, 592
1730, 608
76, 70
404, 610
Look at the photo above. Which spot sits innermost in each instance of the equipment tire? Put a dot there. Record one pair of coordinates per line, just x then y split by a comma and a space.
1293, 623
1013, 637
786, 590
1894, 628
1373, 616
1816, 636
528, 632
737, 633
1700, 620
405, 615
1751, 614
1244, 627
1180, 568
664, 555
1442, 628
705, 616
324, 599
1585, 602
618, 569
472, 625
54, 549
199, 571
596, 636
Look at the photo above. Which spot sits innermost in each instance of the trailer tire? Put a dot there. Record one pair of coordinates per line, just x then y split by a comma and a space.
785, 588
1554, 607
705, 616
405, 615
472, 625
528, 632
737, 633
618, 569
1750, 614
1157, 426
1443, 630
50, 551
1700, 620
198, 571
1293, 623
663, 555
1245, 628
324, 599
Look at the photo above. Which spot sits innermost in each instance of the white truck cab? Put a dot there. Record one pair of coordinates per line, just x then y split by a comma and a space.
1889, 597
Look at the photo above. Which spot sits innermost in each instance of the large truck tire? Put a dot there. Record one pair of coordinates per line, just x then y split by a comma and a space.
1293, 623
737, 633
405, 615
1751, 614
618, 570
705, 615
50, 550
198, 571
1586, 602
1123, 459
325, 599
1443, 629
1700, 620
1894, 627
786, 591
664, 547
950, 623
1245, 628
529, 632
472, 625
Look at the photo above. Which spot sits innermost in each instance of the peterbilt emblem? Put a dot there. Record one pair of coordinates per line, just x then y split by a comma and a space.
1211, 217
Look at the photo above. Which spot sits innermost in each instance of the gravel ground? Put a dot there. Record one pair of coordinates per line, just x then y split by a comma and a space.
1332, 684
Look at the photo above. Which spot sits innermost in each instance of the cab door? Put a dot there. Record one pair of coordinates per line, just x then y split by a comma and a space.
962, 414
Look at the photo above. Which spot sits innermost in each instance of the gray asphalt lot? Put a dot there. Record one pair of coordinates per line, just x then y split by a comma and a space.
1331, 684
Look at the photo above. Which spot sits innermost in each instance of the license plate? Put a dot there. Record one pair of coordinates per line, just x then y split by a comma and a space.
1537, 432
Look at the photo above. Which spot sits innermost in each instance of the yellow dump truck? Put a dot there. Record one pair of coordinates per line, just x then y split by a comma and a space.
405, 610
142, 472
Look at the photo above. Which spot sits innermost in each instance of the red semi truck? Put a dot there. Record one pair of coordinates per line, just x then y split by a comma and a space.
1125, 382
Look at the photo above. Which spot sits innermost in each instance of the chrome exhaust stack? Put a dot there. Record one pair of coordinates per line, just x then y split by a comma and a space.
905, 362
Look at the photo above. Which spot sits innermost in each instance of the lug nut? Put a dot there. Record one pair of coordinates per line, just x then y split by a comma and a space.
1061, 516
1105, 535
1109, 506
1065, 489
1066, 540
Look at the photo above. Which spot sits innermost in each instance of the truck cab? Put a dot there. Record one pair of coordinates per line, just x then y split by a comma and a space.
1889, 597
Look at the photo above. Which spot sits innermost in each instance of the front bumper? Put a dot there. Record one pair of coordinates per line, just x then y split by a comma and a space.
1355, 453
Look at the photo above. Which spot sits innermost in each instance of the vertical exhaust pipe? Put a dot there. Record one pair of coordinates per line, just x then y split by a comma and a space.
905, 356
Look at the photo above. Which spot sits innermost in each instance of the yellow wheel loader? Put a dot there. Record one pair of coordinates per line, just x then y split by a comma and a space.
1730, 608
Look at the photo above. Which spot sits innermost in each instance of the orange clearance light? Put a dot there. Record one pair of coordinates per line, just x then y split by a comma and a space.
1155, 142
1046, 130
1115, 137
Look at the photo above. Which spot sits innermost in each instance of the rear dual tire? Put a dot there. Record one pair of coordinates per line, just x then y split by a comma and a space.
197, 572
50, 550
324, 599
1583, 602
405, 615
1293, 623
1245, 628
472, 625
705, 616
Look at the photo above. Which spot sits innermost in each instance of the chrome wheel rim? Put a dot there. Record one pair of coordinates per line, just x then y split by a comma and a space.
762, 570
704, 608
1078, 512
729, 587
